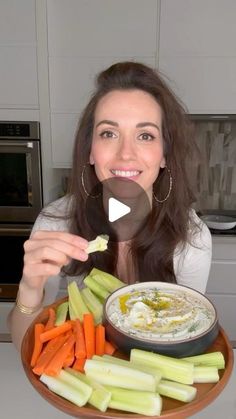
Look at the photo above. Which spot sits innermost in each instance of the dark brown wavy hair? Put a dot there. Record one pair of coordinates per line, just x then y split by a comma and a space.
153, 248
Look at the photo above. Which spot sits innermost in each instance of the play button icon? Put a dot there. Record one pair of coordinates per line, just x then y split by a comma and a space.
116, 209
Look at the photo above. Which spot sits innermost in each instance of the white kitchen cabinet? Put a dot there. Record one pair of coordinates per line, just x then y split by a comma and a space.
204, 84
18, 55
221, 288
197, 52
83, 39
102, 28
18, 77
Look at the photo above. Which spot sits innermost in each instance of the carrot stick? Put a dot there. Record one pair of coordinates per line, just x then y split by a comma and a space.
56, 363
56, 331
48, 352
79, 364
70, 358
100, 339
38, 345
109, 348
51, 319
89, 334
80, 349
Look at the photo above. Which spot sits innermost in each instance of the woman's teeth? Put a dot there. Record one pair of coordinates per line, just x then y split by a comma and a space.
125, 173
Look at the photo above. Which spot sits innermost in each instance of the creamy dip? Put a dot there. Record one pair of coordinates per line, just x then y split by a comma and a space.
161, 314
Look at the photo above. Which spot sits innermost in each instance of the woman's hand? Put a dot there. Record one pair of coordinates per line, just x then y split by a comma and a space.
46, 252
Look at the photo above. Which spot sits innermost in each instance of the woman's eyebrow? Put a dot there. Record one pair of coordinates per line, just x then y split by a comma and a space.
108, 122
145, 124
139, 125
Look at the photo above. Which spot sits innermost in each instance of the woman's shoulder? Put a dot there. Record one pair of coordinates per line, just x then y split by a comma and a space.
192, 260
198, 231
60, 207
54, 216
198, 237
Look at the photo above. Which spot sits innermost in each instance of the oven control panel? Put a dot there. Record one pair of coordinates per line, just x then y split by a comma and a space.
19, 130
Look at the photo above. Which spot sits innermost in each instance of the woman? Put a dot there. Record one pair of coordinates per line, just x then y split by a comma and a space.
133, 128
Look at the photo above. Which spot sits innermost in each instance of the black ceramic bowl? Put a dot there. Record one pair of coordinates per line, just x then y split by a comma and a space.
126, 334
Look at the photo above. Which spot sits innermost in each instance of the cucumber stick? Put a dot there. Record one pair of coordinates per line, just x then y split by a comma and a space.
202, 374
118, 361
107, 281
142, 402
69, 387
170, 368
183, 392
214, 359
100, 396
77, 306
107, 373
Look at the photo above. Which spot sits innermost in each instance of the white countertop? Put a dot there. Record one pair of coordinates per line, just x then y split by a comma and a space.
18, 398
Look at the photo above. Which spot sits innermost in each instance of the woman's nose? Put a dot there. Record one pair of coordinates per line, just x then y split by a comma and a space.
126, 148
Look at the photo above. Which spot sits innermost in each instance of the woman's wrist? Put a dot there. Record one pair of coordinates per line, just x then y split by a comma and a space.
29, 300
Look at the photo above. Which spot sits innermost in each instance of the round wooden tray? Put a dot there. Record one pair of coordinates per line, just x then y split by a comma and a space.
206, 393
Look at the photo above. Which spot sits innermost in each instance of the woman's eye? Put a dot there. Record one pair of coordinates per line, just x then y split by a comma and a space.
145, 136
107, 134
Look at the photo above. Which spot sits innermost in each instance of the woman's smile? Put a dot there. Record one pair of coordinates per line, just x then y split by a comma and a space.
126, 173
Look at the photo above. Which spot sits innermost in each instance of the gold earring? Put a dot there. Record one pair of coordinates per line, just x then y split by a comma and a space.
170, 188
83, 183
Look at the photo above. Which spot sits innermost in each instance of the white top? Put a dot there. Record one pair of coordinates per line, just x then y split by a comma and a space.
191, 264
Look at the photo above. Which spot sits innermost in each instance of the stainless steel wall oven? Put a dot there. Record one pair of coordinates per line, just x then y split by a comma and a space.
20, 197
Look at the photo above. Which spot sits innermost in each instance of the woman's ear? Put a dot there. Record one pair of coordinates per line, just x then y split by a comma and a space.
163, 163
91, 159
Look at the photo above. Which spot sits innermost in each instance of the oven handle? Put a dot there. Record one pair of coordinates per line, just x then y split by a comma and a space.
11, 231
28, 144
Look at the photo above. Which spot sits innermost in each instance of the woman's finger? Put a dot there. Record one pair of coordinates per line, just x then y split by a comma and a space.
46, 254
40, 270
72, 239
69, 250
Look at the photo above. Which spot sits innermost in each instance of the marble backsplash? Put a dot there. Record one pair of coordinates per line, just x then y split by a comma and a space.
215, 174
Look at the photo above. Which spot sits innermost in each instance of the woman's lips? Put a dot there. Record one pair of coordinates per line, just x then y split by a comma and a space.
126, 174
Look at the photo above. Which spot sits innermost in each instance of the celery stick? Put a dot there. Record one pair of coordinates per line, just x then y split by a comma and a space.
142, 402
99, 290
119, 376
170, 368
108, 281
93, 303
100, 396
77, 303
61, 313
205, 374
109, 358
72, 312
98, 245
214, 359
77, 394
183, 392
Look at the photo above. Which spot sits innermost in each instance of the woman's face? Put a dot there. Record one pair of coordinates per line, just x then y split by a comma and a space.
127, 138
